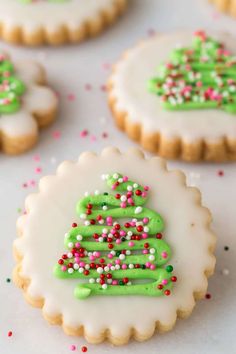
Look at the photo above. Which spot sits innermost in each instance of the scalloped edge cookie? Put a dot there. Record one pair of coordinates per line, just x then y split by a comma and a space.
223, 150
15, 33
140, 334
226, 6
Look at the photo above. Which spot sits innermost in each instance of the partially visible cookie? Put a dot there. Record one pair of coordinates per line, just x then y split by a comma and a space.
175, 94
114, 246
228, 6
26, 104
34, 22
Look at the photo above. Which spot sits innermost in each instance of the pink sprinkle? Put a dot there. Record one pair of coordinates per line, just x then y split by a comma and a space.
110, 256
144, 235
88, 87
82, 264
109, 220
152, 267
123, 205
145, 251
122, 233
104, 135
71, 97
132, 223
56, 134
131, 244
106, 66
117, 261
118, 241
77, 245
36, 158
32, 183
144, 194
164, 281
130, 200
93, 138
63, 268
72, 347
124, 266
92, 258
83, 133
38, 170
148, 264
97, 254
125, 179
164, 255
145, 220
220, 173
103, 88
146, 188
114, 282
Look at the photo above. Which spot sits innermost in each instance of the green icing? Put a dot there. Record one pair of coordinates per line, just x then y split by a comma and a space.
11, 88
130, 256
202, 76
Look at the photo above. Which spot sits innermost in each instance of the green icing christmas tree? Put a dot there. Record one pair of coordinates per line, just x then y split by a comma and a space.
202, 76
11, 88
118, 248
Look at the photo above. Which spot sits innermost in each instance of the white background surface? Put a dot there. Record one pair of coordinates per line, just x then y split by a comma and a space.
212, 326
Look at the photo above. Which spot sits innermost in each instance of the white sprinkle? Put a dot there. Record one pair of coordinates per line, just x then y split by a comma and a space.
113, 268
123, 198
138, 210
96, 192
87, 223
135, 185
86, 194
115, 176
117, 266
70, 270
67, 235
101, 221
83, 216
81, 270
113, 253
105, 231
69, 255
128, 237
87, 266
129, 188
70, 244
131, 266
92, 280
79, 237
225, 271
106, 269
104, 207
100, 239
120, 180
109, 281
128, 252
152, 250
76, 266
146, 229
151, 258
100, 270
129, 233
98, 280
129, 283
103, 177
122, 256
104, 286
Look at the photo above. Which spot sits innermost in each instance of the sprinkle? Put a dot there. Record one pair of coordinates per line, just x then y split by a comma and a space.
220, 173
9, 334
84, 349
84, 133
72, 347
138, 210
225, 271
8, 280
226, 248
208, 296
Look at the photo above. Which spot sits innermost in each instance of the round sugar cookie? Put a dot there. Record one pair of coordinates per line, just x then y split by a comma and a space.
114, 246
176, 95
55, 22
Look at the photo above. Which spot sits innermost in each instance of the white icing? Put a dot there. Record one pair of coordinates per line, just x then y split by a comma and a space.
130, 89
50, 15
42, 243
36, 99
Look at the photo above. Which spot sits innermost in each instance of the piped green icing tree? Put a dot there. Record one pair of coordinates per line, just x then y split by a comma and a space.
118, 248
11, 88
202, 76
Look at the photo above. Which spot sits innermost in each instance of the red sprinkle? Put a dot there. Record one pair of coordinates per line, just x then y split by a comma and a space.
74, 224
220, 173
9, 334
84, 349
208, 296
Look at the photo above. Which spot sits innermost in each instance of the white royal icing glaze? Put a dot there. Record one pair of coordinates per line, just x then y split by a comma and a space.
51, 15
35, 99
43, 236
130, 90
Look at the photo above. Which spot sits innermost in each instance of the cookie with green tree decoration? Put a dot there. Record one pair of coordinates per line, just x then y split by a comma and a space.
202, 76
114, 255
137, 252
